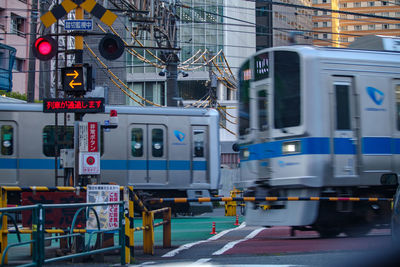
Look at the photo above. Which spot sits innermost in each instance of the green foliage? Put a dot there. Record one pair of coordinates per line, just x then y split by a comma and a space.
13, 95
16, 95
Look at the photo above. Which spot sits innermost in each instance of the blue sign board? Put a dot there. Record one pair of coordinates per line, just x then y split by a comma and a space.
78, 25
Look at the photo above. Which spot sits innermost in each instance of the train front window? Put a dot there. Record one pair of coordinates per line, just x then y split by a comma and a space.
7, 140
397, 88
262, 110
157, 138
286, 89
137, 142
244, 104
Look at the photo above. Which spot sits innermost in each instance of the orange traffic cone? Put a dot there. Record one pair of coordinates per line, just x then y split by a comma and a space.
237, 220
213, 229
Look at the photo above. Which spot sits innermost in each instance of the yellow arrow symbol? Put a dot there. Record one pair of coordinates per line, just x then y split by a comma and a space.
72, 84
75, 74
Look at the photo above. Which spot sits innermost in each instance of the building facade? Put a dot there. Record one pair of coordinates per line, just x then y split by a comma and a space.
15, 21
283, 24
340, 29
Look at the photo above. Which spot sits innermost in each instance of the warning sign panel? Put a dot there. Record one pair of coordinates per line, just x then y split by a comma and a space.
89, 163
108, 215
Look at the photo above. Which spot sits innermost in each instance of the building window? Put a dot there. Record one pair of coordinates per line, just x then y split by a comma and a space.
357, 27
343, 5
18, 65
344, 39
371, 27
17, 25
385, 26
315, 24
371, 3
325, 36
343, 28
384, 3
324, 24
357, 4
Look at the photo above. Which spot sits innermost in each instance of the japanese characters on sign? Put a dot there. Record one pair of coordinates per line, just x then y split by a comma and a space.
108, 215
78, 25
73, 105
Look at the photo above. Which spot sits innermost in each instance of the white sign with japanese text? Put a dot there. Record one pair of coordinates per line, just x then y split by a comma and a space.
108, 215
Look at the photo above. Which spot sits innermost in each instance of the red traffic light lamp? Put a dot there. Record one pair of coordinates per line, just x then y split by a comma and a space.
111, 47
45, 48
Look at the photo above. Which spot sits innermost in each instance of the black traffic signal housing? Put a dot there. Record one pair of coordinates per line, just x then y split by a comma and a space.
111, 47
77, 79
45, 48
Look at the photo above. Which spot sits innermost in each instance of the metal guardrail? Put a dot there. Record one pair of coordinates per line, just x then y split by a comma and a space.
39, 239
127, 209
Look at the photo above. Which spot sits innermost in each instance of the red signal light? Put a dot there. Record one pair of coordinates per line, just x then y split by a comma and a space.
111, 47
44, 48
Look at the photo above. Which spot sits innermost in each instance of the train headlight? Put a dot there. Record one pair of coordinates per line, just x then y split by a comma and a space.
245, 154
291, 147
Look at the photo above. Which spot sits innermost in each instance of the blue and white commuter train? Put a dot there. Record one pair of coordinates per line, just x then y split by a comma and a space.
163, 152
319, 122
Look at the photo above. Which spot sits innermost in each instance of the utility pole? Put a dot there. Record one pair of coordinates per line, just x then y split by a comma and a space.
32, 60
212, 83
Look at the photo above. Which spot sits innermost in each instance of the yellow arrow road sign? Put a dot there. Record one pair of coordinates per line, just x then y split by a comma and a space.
73, 84
75, 74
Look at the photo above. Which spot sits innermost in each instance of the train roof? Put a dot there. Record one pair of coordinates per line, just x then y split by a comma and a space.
348, 54
177, 111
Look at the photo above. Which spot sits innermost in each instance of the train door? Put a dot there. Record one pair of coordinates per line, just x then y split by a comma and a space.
148, 154
200, 155
344, 142
8, 153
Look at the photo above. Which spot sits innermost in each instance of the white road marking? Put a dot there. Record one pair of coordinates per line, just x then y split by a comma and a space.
189, 245
234, 243
200, 262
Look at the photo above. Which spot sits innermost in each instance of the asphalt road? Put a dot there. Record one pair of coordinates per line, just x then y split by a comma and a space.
192, 244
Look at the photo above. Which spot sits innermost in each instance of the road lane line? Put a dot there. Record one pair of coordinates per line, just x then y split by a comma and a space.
234, 243
189, 245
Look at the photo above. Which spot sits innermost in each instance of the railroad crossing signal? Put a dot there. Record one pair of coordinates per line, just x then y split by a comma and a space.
90, 6
73, 79
44, 48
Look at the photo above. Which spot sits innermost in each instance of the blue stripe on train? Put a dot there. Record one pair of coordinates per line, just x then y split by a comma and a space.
321, 146
40, 164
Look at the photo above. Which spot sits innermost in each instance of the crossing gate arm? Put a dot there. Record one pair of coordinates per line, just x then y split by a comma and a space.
253, 199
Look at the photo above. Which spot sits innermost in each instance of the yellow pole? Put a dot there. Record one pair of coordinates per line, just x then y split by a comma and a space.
148, 233
79, 39
129, 247
4, 228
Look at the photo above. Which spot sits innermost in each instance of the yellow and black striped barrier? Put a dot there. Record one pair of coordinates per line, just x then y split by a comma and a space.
90, 6
253, 199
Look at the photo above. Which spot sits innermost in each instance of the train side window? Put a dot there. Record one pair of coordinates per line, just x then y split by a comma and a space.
342, 107
49, 134
157, 140
262, 110
7, 140
137, 142
198, 144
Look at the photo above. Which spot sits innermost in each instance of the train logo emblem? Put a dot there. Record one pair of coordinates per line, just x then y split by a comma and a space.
179, 135
376, 95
